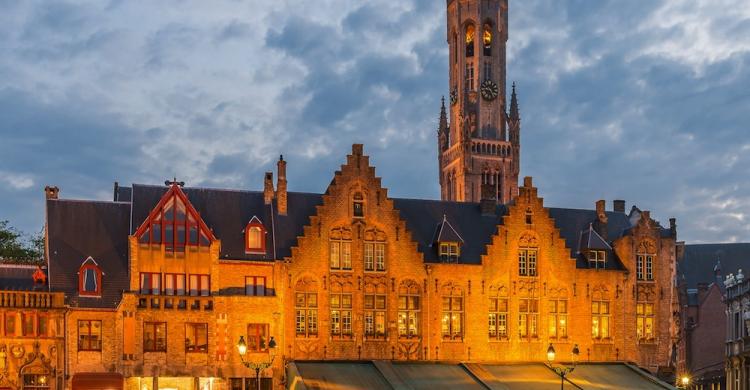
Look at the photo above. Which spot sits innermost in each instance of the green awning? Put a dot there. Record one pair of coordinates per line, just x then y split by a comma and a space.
340, 376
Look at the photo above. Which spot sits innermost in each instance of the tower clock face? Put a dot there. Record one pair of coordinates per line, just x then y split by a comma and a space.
489, 90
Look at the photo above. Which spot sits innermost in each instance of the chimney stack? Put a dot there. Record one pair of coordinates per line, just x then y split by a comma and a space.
673, 227
619, 205
601, 219
281, 198
51, 192
487, 203
268, 188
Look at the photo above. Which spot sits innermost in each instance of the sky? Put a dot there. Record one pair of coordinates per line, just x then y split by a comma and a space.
642, 100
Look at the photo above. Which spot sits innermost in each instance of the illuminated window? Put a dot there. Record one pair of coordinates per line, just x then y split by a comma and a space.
470, 35
341, 311
306, 309
175, 224
600, 319
408, 310
375, 311
154, 337
453, 313
498, 317
645, 321
449, 252
89, 335
36, 381
487, 40
196, 337
558, 318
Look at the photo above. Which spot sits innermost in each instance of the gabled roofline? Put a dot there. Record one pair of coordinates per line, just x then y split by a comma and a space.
174, 189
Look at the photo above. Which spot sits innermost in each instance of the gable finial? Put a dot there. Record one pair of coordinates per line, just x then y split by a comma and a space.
170, 183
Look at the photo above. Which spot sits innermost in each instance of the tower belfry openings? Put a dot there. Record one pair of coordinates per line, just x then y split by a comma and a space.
480, 144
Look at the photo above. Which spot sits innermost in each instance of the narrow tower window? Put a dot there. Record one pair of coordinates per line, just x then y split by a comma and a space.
470, 33
487, 39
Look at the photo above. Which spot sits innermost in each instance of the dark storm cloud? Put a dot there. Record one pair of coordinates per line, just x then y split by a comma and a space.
642, 100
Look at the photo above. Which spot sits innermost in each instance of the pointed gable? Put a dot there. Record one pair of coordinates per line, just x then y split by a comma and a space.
446, 233
175, 223
590, 239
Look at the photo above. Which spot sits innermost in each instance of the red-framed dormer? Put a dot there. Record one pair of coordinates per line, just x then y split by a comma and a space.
90, 278
175, 223
255, 237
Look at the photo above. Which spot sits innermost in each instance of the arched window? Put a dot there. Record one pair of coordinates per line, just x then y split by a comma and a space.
453, 312
375, 311
498, 319
487, 40
409, 307
341, 311
306, 308
90, 278
455, 48
255, 237
470, 35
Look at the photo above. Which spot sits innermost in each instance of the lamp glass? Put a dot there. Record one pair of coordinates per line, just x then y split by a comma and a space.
685, 380
242, 346
550, 353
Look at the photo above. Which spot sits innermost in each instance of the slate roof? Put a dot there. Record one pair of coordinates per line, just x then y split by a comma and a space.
227, 212
698, 262
422, 215
79, 229
18, 277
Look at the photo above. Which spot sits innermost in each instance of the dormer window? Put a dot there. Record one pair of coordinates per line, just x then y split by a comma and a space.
90, 278
597, 259
358, 205
255, 237
175, 224
528, 217
449, 252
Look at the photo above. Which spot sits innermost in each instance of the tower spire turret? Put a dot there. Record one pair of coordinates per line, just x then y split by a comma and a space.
514, 115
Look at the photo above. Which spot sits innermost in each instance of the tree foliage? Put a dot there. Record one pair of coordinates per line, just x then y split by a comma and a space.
15, 248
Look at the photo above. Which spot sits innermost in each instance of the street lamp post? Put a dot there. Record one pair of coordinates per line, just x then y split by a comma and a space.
684, 382
258, 366
561, 371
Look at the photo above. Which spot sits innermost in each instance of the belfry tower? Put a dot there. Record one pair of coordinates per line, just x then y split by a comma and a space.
481, 145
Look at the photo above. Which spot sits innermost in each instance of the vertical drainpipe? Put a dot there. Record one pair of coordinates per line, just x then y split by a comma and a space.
65, 348
427, 301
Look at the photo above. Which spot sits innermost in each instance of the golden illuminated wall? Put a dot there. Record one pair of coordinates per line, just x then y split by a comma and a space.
33, 347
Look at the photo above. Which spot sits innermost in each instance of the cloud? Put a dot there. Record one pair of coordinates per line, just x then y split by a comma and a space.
642, 100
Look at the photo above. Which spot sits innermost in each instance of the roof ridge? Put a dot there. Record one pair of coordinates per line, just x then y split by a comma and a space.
88, 201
